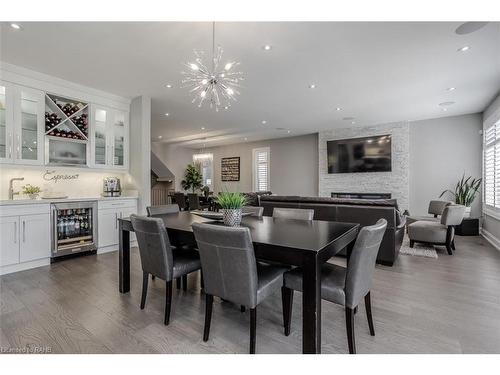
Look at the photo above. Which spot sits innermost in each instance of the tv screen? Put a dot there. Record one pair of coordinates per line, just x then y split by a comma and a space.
369, 154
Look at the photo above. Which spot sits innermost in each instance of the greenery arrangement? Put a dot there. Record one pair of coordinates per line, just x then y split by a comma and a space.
465, 191
30, 189
231, 201
193, 178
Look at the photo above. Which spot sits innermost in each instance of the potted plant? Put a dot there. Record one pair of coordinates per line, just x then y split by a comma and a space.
31, 191
465, 192
231, 204
193, 179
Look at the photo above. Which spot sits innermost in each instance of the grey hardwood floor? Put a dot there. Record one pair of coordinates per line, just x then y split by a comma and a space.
445, 305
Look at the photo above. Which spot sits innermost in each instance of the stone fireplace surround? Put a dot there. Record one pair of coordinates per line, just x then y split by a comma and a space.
395, 182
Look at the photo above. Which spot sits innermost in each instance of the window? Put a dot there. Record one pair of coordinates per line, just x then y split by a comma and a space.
491, 171
261, 169
205, 163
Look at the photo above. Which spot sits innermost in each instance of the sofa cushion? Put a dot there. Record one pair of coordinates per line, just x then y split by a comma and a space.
326, 200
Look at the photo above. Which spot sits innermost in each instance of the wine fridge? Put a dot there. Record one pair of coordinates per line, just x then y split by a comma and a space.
74, 228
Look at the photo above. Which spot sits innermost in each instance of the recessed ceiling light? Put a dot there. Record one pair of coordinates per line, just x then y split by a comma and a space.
288, 131
463, 49
312, 86
445, 109
15, 26
446, 104
202, 128
451, 89
226, 107
168, 86
245, 138
167, 114
469, 27
338, 109
353, 122
267, 47
264, 122
160, 137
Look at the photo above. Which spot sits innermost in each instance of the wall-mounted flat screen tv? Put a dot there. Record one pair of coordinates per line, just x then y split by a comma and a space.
369, 154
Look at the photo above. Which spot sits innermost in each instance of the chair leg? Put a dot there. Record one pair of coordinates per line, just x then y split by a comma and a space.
209, 300
178, 281
349, 320
168, 302
242, 308
253, 329
412, 243
202, 282
368, 307
287, 301
453, 244
152, 277
448, 248
184, 282
145, 278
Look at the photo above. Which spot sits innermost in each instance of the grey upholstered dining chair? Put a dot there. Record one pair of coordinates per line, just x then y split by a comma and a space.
438, 233
254, 210
162, 210
232, 273
158, 259
343, 286
180, 200
293, 213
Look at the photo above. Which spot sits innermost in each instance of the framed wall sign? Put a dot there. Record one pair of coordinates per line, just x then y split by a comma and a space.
230, 169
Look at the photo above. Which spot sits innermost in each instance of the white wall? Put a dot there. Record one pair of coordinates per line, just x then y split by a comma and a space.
140, 149
395, 182
441, 151
291, 168
491, 225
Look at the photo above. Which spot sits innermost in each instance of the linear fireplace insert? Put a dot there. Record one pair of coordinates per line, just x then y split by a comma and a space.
361, 195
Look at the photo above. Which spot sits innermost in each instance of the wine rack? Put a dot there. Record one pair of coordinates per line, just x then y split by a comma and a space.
66, 118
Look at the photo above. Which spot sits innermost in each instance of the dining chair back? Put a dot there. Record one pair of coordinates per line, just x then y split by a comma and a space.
228, 262
154, 246
193, 201
361, 265
180, 200
293, 213
254, 210
162, 210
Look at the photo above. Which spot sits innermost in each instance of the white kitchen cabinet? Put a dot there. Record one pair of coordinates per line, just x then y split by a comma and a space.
34, 237
110, 138
109, 212
9, 248
22, 125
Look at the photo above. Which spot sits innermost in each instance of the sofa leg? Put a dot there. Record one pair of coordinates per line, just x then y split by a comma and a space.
412, 243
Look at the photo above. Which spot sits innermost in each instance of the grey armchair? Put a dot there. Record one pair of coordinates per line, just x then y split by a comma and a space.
158, 259
343, 286
436, 208
162, 210
232, 273
293, 213
254, 210
438, 233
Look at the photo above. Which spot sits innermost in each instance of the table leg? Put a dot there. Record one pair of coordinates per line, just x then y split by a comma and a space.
311, 306
124, 259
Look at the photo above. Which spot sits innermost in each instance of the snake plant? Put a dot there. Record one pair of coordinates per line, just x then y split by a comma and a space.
465, 190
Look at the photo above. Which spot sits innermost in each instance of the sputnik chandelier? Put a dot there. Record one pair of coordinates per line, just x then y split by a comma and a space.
216, 85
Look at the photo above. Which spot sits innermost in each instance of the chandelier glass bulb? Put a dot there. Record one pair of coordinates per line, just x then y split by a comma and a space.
216, 83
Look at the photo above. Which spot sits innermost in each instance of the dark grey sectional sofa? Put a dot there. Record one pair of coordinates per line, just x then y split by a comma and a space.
362, 211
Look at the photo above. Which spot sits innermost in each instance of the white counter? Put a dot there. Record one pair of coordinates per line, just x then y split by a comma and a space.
9, 202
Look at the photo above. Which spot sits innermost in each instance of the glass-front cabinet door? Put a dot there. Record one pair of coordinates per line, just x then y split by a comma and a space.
101, 118
120, 138
5, 123
29, 125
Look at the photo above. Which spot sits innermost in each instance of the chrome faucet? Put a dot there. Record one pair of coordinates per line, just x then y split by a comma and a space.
11, 188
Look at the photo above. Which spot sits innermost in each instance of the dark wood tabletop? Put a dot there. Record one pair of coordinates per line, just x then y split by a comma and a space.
295, 242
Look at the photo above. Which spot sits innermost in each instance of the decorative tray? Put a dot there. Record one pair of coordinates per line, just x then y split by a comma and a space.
214, 215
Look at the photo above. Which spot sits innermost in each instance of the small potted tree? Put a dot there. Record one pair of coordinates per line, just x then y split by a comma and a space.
465, 192
231, 206
193, 179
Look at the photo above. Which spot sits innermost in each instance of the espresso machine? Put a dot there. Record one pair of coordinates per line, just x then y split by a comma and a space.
111, 187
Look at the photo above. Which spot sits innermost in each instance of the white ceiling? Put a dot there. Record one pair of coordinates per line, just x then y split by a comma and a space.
376, 72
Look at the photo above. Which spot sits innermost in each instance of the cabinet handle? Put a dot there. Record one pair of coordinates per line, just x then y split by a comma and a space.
24, 231
116, 220
10, 145
112, 155
15, 231
18, 146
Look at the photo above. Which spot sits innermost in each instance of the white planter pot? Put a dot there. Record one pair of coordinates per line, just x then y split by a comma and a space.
467, 211
231, 217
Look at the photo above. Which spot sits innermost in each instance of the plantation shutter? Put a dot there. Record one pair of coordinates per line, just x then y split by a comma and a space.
492, 166
261, 169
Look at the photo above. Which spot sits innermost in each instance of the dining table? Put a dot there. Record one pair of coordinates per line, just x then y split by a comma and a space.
306, 244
